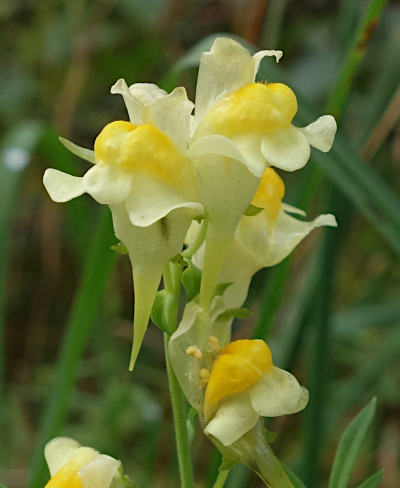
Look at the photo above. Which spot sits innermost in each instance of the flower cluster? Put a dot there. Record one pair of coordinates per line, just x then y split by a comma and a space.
172, 179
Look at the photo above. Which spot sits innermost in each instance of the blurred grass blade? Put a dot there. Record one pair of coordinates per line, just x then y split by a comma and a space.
355, 55
97, 268
16, 148
271, 298
369, 314
296, 481
350, 445
348, 394
346, 23
373, 481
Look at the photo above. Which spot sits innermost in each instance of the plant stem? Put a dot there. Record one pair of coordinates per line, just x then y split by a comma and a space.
221, 478
179, 415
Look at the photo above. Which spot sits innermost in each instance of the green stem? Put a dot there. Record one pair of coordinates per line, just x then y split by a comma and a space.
179, 415
221, 478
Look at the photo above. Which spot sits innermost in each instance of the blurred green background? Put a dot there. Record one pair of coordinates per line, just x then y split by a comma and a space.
331, 312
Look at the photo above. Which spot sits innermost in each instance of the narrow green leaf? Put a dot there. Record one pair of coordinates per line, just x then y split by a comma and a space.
271, 298
355, 55
296, 481
373, 481
350, 445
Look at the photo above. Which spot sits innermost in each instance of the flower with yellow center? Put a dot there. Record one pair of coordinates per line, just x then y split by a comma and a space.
260, 240
141, 170
243, 385
240, 128
74, 466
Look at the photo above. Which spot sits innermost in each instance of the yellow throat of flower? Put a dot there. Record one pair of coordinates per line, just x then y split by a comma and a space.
66, 477
269, 194
256, 107
140, 148
240, 364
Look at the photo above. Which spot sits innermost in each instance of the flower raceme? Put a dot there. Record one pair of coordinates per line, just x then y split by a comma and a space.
74, 466
166, 167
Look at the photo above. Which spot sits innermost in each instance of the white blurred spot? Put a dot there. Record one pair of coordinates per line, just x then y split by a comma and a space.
16, 158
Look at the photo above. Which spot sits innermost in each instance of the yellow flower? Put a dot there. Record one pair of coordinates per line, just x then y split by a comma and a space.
74, 466
240, 128
141, 170
243, 385
260, 240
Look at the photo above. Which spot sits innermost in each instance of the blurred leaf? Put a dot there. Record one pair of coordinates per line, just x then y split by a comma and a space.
355, 55
350, 445
16, 148
96, 271
297, 483
271, 297
373, 481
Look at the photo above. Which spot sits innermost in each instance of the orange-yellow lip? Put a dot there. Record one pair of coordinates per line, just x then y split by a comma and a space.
256, 107
240, 364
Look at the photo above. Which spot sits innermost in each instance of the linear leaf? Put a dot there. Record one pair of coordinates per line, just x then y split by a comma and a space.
373, 481
350, 445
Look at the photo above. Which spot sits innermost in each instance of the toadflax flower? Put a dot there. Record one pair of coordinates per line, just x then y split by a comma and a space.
74, 466
142, 172
240, 128
243, 385
261, 240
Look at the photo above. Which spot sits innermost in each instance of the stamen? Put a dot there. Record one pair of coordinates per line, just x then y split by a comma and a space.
194, 351
204, 376
215, 344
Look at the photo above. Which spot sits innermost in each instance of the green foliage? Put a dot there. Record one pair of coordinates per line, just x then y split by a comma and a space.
349, 447
373, 481
191, 278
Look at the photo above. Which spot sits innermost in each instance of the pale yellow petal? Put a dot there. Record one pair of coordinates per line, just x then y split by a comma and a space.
62, 187
146, 93
277, 393
150, 200
235, 416
107, 184
287, 149
58, 452
150, 248
171, 114
227, 188
225, 68
133, 106
321, 133
99, 473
